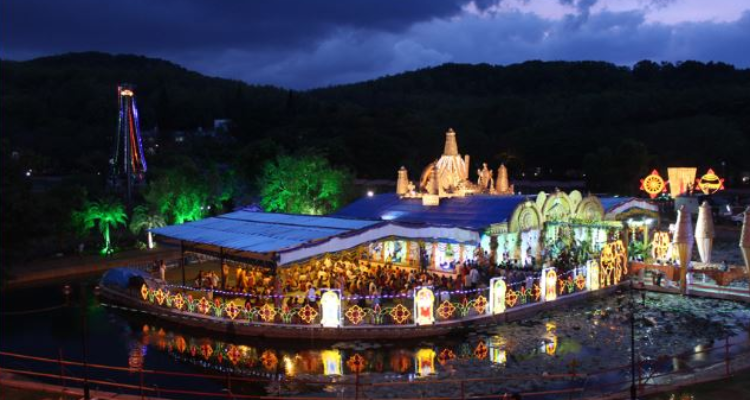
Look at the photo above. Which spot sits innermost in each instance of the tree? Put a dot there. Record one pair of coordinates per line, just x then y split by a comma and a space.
303, 185
105, 214
179, 193
143, 219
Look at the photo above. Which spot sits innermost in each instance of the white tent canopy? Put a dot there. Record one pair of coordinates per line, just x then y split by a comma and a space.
292, 238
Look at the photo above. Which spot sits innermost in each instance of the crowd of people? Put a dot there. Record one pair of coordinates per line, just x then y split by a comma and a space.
370, 282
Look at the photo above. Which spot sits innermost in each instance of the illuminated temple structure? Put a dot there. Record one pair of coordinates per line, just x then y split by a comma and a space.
444, 218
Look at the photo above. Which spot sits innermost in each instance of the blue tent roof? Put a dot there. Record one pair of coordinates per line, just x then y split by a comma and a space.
260, 232
611, 202
472, 212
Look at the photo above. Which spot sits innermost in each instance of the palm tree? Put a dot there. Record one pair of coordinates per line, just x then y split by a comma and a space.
104, 214
143, 219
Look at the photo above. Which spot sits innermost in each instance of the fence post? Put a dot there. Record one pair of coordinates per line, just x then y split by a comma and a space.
229, 384
63, 382
143, 395
640, 374
726, 355
356, 385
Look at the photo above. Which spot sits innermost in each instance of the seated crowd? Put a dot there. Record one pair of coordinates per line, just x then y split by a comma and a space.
369, 283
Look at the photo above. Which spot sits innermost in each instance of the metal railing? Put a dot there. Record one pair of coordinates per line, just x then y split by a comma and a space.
715, 362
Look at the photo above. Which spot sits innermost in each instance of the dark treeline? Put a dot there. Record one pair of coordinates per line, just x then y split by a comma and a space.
566, 116
560, 119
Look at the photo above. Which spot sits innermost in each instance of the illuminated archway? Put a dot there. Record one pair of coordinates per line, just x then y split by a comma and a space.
525, 217
590, 209
557, 207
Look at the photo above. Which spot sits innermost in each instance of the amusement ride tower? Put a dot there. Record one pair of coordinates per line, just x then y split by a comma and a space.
128, 162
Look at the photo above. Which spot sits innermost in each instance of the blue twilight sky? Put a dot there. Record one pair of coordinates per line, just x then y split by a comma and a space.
310, 43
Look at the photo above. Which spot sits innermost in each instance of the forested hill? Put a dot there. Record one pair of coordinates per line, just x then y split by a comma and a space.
592, 117
552, 114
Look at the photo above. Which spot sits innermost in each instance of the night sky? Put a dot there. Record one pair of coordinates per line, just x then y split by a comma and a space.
311, 43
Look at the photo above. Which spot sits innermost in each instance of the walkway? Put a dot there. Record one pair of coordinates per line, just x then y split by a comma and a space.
57, 269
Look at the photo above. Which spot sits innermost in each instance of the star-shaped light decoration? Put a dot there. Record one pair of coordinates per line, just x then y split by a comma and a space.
180, 344
178, 301
144, 292
204, 306
481, 351
400, 314
269, 360
355, 314
445, 356
480, 304
356, 363
232, 310
267, 313
446, 309
234, 354
307, 314
511, 297
206, 350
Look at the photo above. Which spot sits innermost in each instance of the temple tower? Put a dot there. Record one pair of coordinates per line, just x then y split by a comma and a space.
451, 146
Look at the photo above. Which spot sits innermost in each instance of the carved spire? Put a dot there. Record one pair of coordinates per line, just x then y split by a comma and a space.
434, 184
502, 185
704, 232
402, 184
451, 146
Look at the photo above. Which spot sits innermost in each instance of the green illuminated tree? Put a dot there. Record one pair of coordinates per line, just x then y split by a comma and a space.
303, 185
179, 193
105, 214
143, 219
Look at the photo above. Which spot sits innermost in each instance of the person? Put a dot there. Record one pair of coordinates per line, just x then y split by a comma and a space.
224, 275
214, 280
198, 282
163, 270
724, 266
474, 277
658, 279
311, 296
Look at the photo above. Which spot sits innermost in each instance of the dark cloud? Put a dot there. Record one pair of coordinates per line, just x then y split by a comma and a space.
145, 26
306, 43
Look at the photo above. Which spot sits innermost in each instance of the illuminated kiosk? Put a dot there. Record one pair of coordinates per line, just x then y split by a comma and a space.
266, 260
497, 295
592, 275
548, 282
424, 305
330, 306
332, 364
424, 363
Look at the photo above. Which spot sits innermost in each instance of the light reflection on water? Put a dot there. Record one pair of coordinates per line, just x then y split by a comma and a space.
422, 360
586, 336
